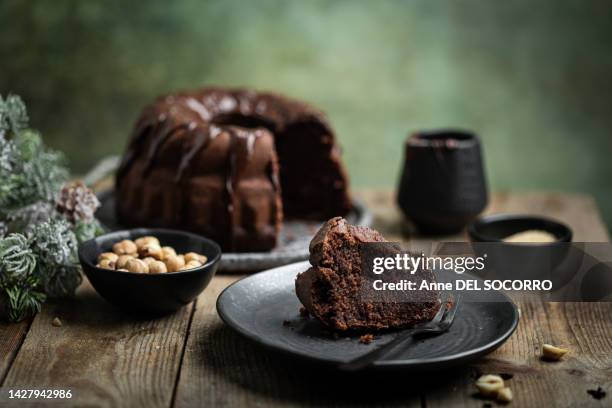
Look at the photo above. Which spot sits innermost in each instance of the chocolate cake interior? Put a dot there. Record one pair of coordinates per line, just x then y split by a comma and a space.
332, 290
312, 185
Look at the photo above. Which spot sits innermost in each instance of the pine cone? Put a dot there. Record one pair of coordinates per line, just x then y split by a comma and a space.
76, 202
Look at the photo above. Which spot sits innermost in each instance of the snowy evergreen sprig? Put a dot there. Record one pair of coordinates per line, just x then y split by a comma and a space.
30, 172
22, 301
42, 218
17, 261
13, 114
55, 247
20, 292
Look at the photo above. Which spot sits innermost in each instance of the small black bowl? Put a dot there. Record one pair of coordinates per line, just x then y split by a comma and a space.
555, 261
494, 228
158, 293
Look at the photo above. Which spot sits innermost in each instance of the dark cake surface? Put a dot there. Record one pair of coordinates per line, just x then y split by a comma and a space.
228, 163
331, 289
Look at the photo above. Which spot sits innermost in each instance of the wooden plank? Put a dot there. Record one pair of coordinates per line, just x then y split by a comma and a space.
222, 369
580, 327
103, 355
110, 359
585, 328
11, 338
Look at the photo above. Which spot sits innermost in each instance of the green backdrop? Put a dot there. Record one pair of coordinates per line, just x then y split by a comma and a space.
534, 79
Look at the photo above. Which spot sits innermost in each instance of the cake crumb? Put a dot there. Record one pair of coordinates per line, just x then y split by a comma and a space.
56, 322
598, 394
304, 312
366, 338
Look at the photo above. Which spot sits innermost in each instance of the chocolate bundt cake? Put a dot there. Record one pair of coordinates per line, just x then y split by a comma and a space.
332, 289
227, 163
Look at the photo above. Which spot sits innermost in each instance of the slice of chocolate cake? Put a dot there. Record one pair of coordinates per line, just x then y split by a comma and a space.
332, 290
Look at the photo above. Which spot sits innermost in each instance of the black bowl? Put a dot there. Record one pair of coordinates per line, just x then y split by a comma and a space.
511, 260
158, 293
494, 228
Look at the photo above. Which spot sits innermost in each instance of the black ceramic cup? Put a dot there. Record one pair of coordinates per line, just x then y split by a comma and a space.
150, 293
442, 186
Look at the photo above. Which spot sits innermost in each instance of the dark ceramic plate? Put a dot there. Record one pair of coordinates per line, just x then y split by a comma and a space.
264, 308
293, 241
159, 293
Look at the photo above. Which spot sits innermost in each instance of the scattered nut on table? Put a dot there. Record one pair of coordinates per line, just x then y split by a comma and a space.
56, 322
488, 385
146, 255
504, 394
553, 353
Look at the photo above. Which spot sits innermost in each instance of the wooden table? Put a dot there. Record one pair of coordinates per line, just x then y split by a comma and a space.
191, 358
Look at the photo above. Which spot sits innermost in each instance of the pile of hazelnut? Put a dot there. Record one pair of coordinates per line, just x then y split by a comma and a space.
146, 255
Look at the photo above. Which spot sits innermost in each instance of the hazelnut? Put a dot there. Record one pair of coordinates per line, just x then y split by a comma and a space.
191, 265
174, 263
157, 267
106, 264
192, 256
488, 385
137, 266
150, 250
504, 395
111, 256
148, 260
147, 240
168, 251
125, 247
552, 353
123, 260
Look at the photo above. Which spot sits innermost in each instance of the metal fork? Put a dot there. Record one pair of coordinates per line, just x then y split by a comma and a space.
440, 323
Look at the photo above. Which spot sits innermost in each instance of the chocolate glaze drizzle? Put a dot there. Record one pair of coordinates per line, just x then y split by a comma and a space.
201, 116
201, 138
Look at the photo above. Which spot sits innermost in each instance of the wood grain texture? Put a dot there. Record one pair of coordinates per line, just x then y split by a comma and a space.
106, 357
223, 369
111, 359
11, 338
585, 328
